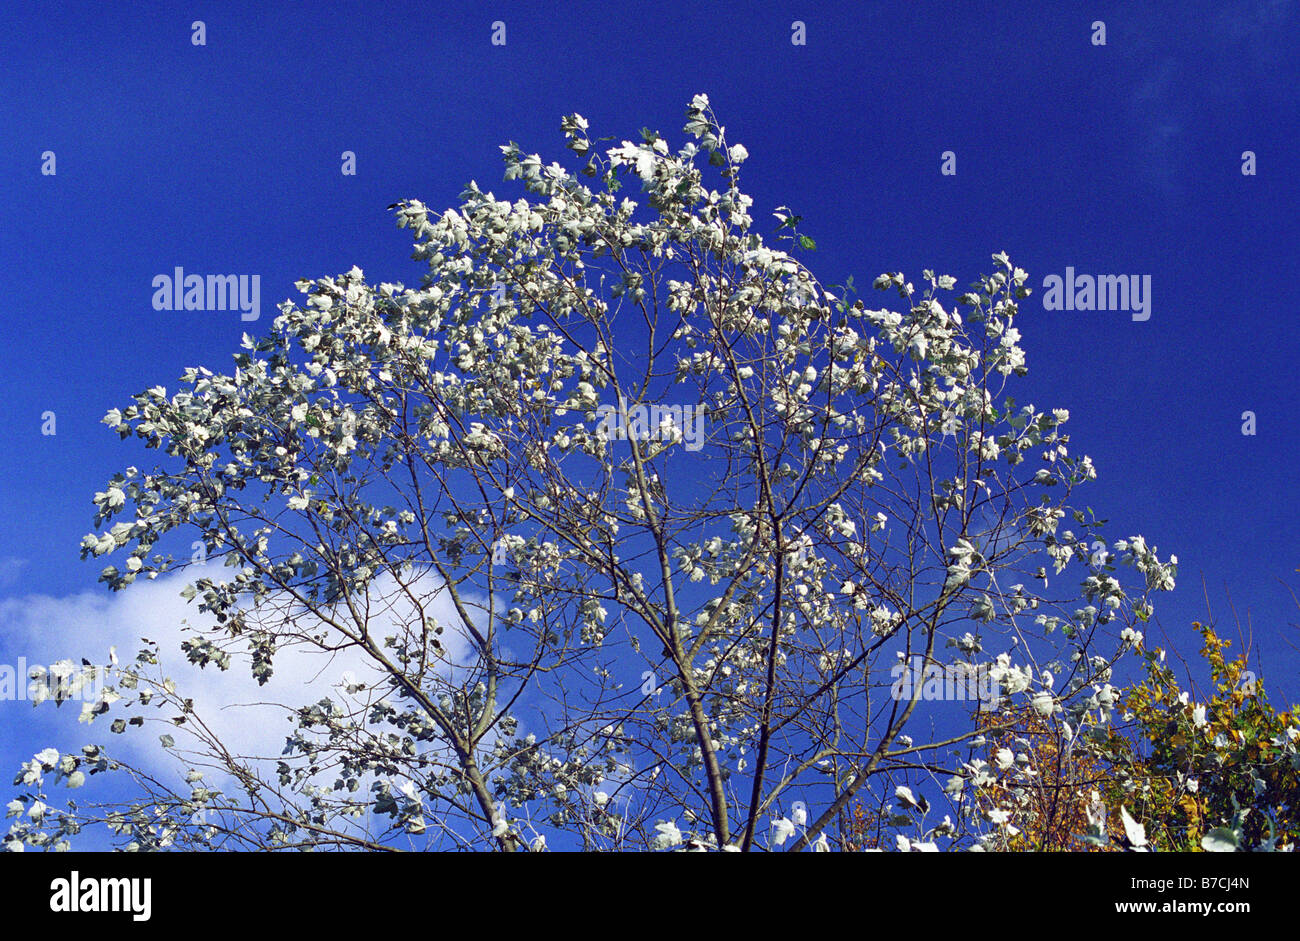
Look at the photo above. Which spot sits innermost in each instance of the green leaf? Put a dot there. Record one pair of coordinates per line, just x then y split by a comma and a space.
807, 243
1219, 840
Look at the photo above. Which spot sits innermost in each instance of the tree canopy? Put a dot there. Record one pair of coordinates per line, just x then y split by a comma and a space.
632, 529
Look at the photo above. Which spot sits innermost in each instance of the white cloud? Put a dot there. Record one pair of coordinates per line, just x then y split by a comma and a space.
250, 720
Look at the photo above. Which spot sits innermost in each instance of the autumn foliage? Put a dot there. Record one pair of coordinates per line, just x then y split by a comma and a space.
1224, 769
1187, 768
1193, 772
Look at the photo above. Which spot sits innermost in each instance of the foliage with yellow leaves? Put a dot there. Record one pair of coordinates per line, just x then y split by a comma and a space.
1221, 775
1216, 775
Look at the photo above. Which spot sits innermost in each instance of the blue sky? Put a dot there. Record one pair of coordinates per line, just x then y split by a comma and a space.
1117, 159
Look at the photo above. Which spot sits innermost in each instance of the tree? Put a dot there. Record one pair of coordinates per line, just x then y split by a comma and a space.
631, 524
1166, 773
1046, 785
1219, 775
